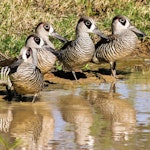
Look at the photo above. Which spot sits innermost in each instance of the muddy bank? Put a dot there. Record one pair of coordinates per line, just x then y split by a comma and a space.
139, 60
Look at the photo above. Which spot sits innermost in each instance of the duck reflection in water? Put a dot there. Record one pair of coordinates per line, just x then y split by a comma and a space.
6, 118
76, 110
118, 112
32, 124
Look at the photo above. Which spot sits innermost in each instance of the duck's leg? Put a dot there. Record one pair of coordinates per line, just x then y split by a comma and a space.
113, 69
74, 74
34, 97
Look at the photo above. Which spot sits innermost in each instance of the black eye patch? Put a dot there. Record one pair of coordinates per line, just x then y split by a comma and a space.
28, 52
37, 40
46, 27
122, 21
88, 23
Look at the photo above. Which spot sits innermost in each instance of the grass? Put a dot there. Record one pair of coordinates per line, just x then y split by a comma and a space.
5, 145
19, 18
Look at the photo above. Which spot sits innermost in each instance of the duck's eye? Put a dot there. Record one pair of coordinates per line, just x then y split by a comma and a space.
28, 52
122, 21
46, 27
88, 23
37, 40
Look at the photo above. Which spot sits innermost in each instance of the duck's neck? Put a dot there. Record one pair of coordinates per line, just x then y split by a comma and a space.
33, 59
48, 42
84, 38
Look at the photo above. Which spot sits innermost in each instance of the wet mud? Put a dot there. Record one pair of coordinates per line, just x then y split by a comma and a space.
139, 60
96, 112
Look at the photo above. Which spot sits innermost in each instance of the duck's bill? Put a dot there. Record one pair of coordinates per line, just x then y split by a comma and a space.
98, 32
15, 64
137, 31
55, 52
56, 35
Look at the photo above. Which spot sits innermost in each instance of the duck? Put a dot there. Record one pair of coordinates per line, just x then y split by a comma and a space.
78, 52
23, 74
122, 42
45, 58
44, 30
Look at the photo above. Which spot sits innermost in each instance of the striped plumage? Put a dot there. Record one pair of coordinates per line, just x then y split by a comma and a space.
44, 30
78, 52
45, 59
121, 43
24, 75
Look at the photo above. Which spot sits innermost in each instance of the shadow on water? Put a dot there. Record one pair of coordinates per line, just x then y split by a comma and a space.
106, 116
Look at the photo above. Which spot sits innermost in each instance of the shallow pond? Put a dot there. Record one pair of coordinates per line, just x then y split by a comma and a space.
108, 116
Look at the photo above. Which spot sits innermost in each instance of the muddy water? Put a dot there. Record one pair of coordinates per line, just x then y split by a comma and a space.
106, 116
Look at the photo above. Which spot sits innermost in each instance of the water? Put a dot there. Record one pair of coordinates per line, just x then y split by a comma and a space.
95, 117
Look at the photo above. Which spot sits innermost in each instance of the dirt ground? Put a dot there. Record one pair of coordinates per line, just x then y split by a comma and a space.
139, 60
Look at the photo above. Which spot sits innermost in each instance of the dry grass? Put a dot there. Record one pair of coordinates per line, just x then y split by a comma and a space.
19, 17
